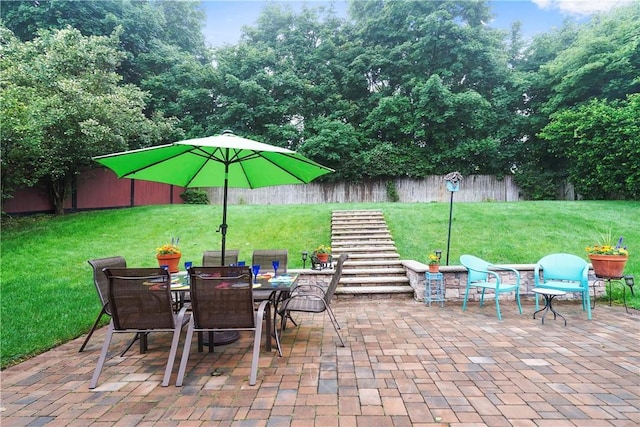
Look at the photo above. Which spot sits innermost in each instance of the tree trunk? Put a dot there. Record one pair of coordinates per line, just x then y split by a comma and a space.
59, 190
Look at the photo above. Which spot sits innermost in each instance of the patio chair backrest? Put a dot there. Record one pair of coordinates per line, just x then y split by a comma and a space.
222, 297
265, 257
100, 279
212, 258
477, 268
562, 266
140, 298
335, 279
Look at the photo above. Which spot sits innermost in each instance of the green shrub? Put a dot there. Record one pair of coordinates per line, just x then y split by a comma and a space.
195, 197
392, 192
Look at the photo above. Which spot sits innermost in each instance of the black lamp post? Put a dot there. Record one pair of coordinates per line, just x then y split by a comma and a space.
305, 255
452, 181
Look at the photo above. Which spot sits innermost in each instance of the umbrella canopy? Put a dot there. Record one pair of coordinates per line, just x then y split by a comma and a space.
224, 160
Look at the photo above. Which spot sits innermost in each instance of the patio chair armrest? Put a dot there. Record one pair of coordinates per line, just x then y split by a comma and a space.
536, 275
182, 318
261, 309
513, 270
489, 272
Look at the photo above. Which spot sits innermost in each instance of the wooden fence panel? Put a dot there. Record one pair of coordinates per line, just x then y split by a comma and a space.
475, 188
100, 188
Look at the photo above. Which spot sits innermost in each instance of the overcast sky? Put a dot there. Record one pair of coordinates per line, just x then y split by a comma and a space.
225, 18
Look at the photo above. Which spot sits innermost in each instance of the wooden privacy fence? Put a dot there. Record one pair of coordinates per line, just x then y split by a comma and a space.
474, 188
101, 189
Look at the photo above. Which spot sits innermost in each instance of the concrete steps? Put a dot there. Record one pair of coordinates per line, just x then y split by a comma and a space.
373, 269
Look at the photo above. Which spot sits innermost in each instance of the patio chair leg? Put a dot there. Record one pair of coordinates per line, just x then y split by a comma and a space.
185, 352
133, 340
466, 297
256, 343
174, 347
93, 328
103, 356
335, 324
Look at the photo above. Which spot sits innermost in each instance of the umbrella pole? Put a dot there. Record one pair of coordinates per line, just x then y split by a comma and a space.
223, 226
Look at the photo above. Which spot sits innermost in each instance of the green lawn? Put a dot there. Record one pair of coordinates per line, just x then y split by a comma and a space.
47, 294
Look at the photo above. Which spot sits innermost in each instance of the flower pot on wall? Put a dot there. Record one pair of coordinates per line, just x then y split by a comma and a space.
608, 265
172, 260
434, 268
323, 258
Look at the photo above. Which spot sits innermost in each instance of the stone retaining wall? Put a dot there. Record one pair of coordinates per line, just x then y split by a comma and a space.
455, 281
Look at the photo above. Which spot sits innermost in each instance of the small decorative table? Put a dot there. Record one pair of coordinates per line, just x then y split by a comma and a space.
549, 295
434, 289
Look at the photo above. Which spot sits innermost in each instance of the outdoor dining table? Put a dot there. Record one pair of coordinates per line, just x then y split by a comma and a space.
279, 287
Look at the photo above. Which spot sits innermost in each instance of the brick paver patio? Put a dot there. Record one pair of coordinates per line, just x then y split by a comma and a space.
405, 364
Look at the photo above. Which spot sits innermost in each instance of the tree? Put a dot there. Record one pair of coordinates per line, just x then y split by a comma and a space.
600, 141
65, 106
566, 68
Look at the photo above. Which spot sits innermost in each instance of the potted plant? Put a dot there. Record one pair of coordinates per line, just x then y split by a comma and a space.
170, 254
322, 253
433, 259
608, 259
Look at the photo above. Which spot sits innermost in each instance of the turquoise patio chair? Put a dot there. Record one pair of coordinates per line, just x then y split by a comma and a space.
564, 272
481, 274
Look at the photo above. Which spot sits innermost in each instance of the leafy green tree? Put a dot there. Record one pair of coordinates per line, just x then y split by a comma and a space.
438, 81
65, 106
568, 67
601, 142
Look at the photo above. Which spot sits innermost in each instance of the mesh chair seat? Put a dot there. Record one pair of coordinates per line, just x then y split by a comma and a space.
307, 305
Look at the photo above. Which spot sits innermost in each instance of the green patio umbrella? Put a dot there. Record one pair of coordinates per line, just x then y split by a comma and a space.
224, 160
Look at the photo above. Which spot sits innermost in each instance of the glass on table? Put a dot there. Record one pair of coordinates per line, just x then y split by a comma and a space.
275, 264
255, 269
187, 266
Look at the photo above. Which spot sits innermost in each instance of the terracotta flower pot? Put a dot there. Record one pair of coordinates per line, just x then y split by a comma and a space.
323, 258
434, 268
608, 265
172, 260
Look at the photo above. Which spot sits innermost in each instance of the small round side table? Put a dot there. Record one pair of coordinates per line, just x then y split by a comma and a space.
549, 295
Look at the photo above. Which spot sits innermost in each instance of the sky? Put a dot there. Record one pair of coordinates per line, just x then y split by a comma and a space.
225, 18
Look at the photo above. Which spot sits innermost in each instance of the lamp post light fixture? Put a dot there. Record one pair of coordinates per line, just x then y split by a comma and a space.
439, 254
305, 255
628, 280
